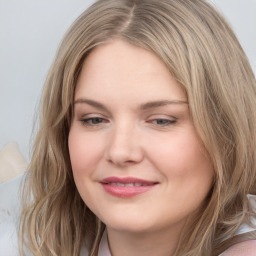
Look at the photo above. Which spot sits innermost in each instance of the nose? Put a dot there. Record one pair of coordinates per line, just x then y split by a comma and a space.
124, 147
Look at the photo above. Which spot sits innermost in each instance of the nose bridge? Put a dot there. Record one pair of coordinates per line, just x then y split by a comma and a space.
124, 144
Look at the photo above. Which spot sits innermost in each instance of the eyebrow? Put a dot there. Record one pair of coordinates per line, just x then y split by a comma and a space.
145, 106
160, 103
91, 103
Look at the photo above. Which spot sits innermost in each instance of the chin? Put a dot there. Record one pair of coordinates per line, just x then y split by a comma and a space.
129, 224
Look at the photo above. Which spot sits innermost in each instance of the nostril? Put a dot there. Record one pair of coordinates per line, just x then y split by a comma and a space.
123, 149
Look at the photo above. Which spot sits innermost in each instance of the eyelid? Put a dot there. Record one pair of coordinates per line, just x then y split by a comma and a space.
167, 120
162, 116
94, 122
89, 120
84, 115
83, 110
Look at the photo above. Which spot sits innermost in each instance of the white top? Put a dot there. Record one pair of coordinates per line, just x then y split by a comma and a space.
245, 228
246, 248
9, 217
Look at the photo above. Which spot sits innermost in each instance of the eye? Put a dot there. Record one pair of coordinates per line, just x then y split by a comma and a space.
162, 122
94, 121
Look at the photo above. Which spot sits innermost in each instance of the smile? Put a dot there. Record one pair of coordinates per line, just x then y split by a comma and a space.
127, 184
126, 187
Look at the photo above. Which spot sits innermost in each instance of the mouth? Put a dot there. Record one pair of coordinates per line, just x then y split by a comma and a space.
126, 187
136, 184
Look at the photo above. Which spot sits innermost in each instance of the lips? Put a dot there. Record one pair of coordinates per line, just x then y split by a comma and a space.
136, 184
126, 187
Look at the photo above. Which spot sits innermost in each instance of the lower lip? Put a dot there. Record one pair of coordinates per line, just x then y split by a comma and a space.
125, 192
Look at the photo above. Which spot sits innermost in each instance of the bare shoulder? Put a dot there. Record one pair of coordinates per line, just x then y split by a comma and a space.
246, 248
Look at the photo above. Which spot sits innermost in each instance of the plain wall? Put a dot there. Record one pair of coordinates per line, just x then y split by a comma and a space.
30, 32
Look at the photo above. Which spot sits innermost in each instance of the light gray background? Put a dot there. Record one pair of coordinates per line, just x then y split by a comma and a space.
30, 32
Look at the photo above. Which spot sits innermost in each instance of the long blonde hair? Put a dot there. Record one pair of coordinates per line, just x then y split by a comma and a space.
203, 54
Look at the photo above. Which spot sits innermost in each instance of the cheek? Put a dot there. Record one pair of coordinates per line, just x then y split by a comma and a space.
76, 151
183, 161
84, 156
84, 151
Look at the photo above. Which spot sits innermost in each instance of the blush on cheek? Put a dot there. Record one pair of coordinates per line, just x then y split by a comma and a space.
74, 153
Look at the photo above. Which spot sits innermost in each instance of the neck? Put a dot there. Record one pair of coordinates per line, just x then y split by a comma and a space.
161, 242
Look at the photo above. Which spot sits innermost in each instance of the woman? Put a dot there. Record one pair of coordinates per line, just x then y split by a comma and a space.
146, 138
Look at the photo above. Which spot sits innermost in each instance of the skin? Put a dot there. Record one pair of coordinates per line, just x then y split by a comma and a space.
246, 248
124, 135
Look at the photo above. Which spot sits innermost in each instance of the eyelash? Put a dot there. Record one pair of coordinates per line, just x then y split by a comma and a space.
90, 121
163, 122
96, 121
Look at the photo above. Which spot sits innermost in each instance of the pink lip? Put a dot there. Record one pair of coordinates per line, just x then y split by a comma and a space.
117, 186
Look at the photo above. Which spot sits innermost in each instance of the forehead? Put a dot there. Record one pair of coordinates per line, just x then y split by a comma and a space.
118, 67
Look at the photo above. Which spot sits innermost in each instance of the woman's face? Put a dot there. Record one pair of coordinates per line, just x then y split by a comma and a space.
137, 160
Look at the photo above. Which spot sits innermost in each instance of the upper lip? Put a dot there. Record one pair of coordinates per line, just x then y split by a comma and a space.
126, 180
